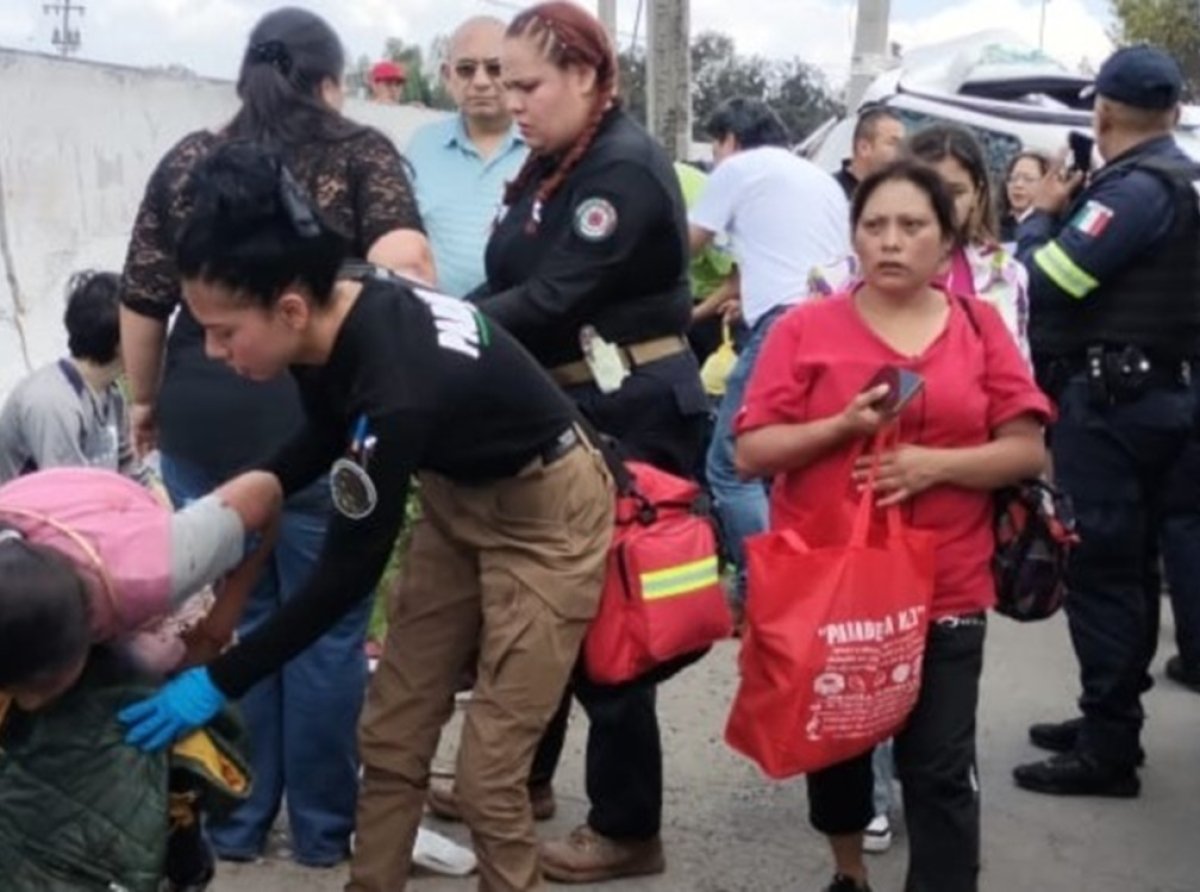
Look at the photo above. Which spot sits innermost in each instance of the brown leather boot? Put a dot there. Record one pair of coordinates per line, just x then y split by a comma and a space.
587, 857
443, 803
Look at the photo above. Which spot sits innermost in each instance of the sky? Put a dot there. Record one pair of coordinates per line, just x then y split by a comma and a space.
207, 36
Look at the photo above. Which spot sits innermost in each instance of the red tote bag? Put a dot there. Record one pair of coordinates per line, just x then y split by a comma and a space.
835, 638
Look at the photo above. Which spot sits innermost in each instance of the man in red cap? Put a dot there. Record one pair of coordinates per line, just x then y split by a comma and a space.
387, 82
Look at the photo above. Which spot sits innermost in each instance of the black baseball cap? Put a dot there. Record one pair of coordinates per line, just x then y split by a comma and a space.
1140, 76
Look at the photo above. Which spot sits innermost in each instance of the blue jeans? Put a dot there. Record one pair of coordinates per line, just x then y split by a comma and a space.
741, 504
302, 722
883, 766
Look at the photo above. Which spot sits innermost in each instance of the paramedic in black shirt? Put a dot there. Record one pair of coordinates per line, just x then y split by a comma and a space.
587, 267
506, 564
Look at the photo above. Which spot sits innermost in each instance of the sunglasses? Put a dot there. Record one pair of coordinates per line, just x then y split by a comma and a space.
466, 68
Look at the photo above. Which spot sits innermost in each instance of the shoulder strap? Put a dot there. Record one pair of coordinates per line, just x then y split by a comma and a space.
606, 446
364, 271
1169, 168
72, 375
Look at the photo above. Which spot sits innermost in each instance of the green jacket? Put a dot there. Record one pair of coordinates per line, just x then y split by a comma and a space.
82, 811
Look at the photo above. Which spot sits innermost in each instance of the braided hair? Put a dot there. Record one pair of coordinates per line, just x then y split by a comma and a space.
566, 35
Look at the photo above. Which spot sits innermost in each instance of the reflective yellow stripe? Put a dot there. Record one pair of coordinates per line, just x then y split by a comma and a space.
1063, 271
679, 580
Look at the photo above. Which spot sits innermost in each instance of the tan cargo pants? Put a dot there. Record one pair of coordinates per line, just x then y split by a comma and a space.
507, 576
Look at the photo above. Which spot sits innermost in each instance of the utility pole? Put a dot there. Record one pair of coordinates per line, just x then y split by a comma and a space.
668, 75
66, 39
870, 49
608, 17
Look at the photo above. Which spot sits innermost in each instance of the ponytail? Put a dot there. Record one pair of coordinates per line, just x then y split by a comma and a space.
290, 54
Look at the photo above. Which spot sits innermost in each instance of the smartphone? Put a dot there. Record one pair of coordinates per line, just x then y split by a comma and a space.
1081, 151
902, 385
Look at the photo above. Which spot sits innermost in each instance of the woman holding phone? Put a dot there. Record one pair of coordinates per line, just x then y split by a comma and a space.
977, 265
974, 425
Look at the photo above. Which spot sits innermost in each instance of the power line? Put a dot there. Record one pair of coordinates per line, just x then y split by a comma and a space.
66, 38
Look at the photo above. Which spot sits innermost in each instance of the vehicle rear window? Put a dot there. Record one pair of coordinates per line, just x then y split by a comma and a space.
998, 147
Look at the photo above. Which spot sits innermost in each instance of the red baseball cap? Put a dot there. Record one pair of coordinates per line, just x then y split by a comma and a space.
388, 71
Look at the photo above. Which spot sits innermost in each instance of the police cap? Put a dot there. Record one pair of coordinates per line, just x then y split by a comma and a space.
1142, 77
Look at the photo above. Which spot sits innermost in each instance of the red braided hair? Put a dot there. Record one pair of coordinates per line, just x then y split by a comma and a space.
567, 35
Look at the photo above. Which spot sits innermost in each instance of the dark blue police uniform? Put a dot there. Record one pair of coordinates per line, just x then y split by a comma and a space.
1115, 332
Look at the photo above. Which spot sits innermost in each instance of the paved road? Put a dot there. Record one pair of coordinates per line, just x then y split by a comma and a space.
729, 830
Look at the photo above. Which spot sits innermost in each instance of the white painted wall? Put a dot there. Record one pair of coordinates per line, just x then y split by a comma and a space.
78, 142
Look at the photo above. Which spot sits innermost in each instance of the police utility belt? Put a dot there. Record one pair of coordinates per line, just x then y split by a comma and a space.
1116, 374
607, 365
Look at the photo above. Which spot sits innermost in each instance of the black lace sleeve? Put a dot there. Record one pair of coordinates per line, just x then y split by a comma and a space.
151, 282
382, 193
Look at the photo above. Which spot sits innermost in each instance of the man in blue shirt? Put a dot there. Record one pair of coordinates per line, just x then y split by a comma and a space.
462, 163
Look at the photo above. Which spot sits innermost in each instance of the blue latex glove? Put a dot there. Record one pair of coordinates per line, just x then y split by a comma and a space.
185, 703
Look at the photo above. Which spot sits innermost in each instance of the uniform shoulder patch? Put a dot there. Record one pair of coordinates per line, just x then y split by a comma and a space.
595, 219
1093, 218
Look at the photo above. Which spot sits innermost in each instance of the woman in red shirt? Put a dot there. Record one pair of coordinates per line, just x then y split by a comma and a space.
976, 426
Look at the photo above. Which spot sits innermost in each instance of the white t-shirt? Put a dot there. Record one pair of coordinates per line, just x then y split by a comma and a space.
784, 216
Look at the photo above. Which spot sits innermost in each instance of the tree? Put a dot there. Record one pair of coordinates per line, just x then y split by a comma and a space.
719, 73
423, 85
1173, 25
796, 90
802, 98
632, 83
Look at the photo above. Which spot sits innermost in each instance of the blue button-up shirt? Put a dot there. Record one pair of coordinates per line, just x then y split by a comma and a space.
459, 194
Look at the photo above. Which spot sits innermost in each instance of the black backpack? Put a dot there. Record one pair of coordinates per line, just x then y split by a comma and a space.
1035, 532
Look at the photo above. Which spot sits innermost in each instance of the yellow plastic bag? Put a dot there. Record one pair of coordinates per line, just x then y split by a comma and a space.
719, 364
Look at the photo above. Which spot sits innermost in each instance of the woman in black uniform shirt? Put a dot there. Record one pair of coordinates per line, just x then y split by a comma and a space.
507, 562
591, 255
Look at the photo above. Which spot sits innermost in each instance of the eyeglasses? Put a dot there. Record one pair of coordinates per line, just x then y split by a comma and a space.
466, 68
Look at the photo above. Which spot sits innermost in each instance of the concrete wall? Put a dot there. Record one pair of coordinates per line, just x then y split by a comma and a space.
78, 141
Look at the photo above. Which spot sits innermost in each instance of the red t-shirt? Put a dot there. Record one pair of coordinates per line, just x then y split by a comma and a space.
821, 354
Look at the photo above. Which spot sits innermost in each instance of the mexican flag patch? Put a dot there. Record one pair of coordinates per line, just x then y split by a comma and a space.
1093, 218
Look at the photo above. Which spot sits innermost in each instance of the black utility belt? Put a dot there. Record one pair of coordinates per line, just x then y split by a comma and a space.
1116, 374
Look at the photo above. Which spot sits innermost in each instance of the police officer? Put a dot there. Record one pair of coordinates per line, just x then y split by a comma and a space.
505, 567
588, 269
1115, 332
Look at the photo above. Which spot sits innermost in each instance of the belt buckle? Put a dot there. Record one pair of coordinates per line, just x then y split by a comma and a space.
960, 622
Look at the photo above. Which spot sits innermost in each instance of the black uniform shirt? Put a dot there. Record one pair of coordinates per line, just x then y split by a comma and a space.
847, 180
438, 388
611, 251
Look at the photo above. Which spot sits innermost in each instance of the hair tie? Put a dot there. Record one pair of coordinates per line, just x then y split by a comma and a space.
297, 206
271, 52
11, 535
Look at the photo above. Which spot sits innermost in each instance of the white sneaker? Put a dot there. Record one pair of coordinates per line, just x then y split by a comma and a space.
877, 838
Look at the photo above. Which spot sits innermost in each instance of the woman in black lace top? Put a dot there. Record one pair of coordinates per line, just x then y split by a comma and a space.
209, 423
